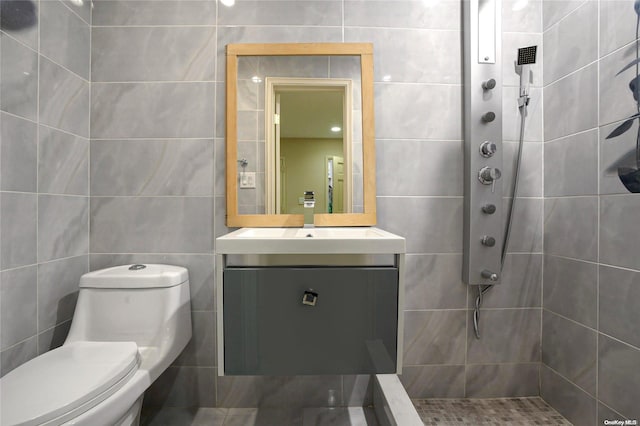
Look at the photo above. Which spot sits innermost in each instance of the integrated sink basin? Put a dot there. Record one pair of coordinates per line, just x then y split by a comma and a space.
365, 240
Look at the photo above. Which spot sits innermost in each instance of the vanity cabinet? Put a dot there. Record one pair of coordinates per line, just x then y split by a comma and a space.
294, 301
313, 320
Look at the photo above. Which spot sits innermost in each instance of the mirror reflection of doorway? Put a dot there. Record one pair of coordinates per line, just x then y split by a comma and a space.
310, 127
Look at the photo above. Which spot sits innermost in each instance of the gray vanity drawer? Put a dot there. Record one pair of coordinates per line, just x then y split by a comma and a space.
352, 329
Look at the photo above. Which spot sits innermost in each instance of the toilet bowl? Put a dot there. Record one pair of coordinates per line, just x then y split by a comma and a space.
130, 324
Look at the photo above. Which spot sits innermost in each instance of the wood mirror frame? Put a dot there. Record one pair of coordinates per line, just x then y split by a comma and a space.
365, 52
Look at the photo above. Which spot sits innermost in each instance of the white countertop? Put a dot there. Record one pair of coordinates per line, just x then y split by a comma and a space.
354, 240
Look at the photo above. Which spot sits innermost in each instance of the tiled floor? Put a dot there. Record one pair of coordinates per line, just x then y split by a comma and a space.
502, 411
343, 416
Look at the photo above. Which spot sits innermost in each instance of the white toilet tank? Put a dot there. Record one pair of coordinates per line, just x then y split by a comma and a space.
146, 304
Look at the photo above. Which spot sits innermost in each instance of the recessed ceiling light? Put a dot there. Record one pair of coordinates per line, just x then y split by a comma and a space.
228, 3
335, 129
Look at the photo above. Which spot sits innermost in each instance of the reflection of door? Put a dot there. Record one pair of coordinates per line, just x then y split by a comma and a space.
279, 176
283, 185
335, 184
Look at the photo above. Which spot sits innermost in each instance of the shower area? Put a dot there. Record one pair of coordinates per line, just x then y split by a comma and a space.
97, 96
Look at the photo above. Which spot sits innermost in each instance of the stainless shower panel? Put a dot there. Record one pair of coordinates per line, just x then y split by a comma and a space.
483, 225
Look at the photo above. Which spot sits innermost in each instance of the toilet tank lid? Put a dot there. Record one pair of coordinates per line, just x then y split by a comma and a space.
135, 276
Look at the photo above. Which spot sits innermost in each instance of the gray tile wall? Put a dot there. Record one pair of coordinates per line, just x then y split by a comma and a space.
167, 108
44, 178
590, 342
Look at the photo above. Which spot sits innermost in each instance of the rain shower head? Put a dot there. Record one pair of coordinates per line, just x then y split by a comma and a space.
527, 55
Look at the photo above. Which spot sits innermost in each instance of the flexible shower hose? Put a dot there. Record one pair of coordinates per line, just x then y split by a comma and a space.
507, 233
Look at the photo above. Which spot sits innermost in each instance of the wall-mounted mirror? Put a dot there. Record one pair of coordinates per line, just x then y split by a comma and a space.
300, 118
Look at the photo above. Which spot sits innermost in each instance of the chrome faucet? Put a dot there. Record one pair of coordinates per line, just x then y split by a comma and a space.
309, 205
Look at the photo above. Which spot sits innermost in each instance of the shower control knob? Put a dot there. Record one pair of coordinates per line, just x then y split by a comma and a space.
489, 208
488, 275
488, 117
488, 241
487, 148
487, 175
489, 84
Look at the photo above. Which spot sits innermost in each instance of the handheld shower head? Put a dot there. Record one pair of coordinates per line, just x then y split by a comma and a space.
526, 57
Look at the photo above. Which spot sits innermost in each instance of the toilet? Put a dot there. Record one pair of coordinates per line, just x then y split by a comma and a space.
130, 323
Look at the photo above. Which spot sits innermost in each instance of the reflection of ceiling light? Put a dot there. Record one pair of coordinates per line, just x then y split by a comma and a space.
335, 129
519, 5
228, 3
386, 78
256, 79
77, 2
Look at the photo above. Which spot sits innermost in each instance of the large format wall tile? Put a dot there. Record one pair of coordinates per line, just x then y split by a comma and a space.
148, 110
63, 226
502, 380
64, 37
272, 34
571, 289
571, 165
520, 285
153, 54
18, 355
58, 290
64, 99
526, 230
616, 152
434, 337
571, 350
201, 349
616, 97
617, 24
19, 154
444, 176
571, 227
171, 12
439, 14
440, 107
554, 11
566, 49
522, 17
399, 63
282, 12
434, 381
430, 225
571, 104
619, 300
183, 387
152, 167
530, 174
151, 225
18, 226
434, 282
19, 85
512, 115
506, 335
619, 230
619, 376
572, 402
18, 303
63, 167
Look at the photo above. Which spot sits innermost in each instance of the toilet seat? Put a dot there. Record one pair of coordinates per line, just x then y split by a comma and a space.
65, 382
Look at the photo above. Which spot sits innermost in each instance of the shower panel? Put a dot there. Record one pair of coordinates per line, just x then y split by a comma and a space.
483, 142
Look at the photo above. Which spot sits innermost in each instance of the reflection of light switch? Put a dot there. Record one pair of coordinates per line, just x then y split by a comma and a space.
247, 179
